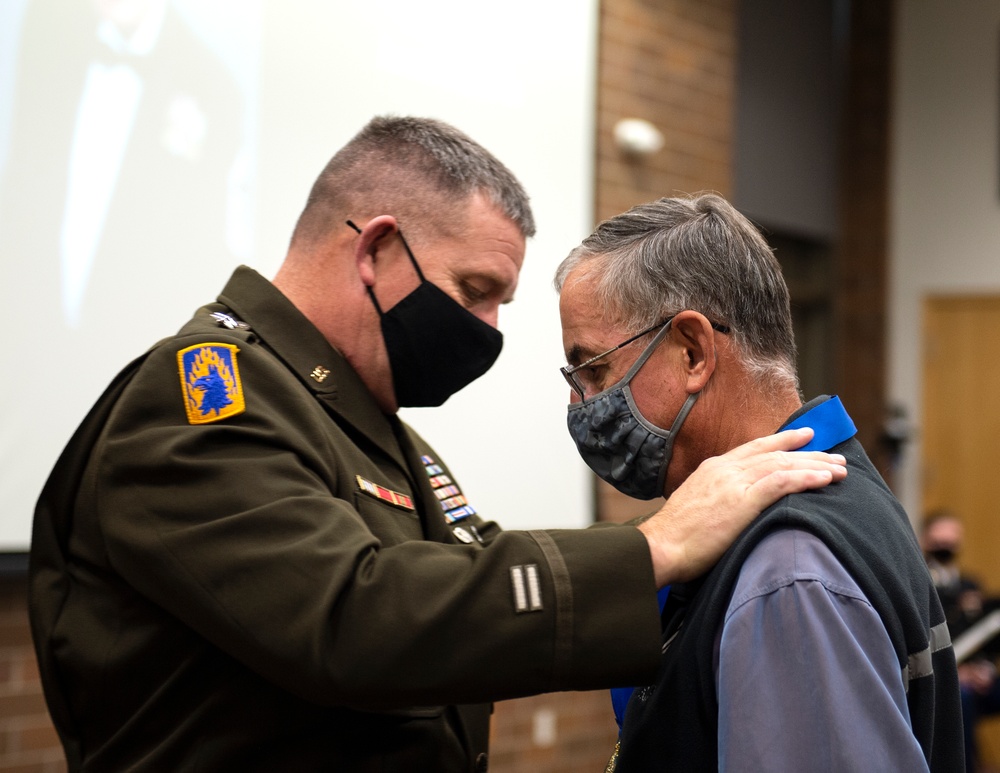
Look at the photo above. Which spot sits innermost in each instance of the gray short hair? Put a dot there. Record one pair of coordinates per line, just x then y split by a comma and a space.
697, 253
420, 170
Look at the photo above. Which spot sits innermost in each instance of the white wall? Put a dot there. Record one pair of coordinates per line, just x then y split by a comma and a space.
945, 190
517, 76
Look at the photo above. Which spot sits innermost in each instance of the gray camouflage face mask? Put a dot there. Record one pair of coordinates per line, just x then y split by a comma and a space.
618, 443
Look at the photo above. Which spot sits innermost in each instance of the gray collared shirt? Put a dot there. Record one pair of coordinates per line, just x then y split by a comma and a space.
806, 675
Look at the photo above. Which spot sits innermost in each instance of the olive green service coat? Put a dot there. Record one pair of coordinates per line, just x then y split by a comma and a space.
261, 577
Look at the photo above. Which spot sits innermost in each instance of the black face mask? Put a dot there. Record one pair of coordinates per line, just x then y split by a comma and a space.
943, 555
436, 346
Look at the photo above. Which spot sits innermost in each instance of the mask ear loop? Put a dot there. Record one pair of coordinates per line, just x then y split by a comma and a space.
646, 354
409, 252
413, 260
675, 428
630, 373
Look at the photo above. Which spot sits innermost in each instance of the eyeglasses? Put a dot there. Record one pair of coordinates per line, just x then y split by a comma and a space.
570, 373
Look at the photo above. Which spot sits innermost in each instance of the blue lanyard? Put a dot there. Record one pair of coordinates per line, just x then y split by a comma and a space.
832, 426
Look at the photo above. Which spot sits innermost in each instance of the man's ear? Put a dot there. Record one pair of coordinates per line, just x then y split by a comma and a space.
370, 241
694, 333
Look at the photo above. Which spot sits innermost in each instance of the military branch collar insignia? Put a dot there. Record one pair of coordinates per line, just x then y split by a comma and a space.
228, 321
319, 374
386, 495
210, 382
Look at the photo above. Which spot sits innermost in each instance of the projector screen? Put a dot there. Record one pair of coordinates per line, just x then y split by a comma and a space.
147, 147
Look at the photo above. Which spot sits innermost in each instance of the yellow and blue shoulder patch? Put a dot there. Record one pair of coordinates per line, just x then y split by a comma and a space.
210, 382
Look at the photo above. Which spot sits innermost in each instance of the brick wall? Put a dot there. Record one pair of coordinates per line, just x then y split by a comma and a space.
28, 742
671, 62
555, 733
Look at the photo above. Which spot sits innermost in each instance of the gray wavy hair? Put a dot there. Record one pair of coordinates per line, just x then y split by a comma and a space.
694, 252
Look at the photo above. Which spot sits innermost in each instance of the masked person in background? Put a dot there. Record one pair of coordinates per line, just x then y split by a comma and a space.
941, 536
817, 641
245, 561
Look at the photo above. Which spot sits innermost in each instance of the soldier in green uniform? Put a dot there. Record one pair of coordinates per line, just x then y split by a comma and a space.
245, 561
